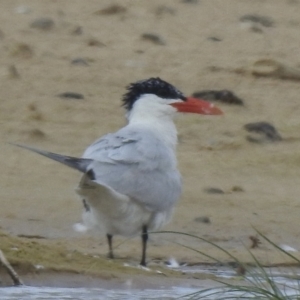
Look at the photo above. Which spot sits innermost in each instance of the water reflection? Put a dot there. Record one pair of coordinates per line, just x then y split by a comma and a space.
286, 278
46, 293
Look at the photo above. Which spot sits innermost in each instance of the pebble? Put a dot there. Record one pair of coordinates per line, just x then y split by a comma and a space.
77, 31
224, 96
42, 24
79, 62
154, 38
213, 190
95, 43
203, 219
265, 132
268, 67
22, 50
112, 10
237, 188
71, 95
254, 27
255, 18
214, 39
12, 72
37, 133
190, 1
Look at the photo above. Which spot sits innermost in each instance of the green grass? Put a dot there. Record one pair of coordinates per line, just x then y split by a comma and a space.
257, 284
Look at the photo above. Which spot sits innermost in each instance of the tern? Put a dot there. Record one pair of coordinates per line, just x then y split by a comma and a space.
130, 182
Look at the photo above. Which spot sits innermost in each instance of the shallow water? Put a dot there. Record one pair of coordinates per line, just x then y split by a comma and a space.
287, 280
45, 293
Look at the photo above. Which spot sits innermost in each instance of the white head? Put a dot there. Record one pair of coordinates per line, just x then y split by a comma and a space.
156, 98
154, 102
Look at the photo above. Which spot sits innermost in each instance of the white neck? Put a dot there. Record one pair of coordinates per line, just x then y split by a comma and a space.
154, 113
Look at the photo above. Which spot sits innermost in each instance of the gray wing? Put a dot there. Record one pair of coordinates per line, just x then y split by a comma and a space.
134, 163
137, 164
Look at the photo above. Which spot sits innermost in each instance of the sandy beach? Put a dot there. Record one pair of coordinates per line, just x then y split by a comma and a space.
96, 49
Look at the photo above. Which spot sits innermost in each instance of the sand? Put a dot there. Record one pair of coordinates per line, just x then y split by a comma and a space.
201, 45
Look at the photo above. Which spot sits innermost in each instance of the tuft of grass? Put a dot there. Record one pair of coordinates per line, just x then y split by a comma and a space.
258, 283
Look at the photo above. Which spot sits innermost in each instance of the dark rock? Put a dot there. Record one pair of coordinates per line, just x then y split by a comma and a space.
214, 39
13, 72
71, 95
213, 190
262, 20
224, 96
42, 24
265, 131
77, 31
154, 38
190, 1
95, 43
22, 50
237, 188
79, 62
112, 10
204, 219
37, 133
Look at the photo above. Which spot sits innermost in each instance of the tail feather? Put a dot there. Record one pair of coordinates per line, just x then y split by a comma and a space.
80, 164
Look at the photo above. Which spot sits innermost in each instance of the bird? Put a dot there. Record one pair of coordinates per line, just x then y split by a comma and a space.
130, 182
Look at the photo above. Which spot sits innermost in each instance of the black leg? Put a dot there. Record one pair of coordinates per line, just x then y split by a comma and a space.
144, 245
110, 249
85, 205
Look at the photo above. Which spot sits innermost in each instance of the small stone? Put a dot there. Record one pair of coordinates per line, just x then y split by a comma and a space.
79, 62
13, 72
224, 96
112, 10
32, 107
22, 50
265, 132
255, 242
254, 27
42, 24
213, 190
204, 219
237, 188
240, 270
154, 38
37, 133
39, 267
190, 1
95, 43
71, 95
77, 31
255, 18
214, 39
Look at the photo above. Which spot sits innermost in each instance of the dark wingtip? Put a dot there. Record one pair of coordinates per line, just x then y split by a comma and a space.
80, 164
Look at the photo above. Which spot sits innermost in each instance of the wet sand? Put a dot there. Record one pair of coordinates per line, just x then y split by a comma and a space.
202, 46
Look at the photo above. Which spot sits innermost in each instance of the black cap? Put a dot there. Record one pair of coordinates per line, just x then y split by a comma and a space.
155, 86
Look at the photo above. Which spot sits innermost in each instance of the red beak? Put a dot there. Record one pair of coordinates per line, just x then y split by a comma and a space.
197, 106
